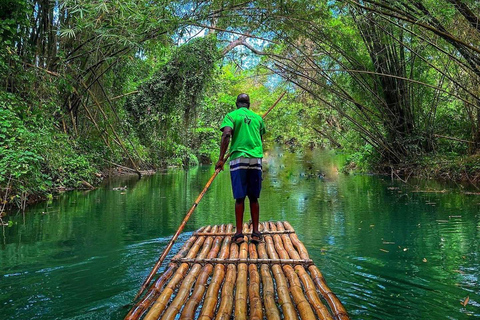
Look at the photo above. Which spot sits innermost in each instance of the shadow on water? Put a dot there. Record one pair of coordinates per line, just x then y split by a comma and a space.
387, 250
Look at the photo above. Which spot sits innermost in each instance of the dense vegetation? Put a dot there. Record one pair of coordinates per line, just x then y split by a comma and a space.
88, 84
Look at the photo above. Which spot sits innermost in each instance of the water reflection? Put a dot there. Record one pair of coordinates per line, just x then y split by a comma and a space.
387, 250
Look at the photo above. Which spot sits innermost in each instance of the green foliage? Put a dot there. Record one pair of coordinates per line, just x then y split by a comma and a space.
34, 157
167, 103
19, 160
12, 14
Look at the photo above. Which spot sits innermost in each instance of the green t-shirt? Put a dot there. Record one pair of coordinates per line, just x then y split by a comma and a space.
248, 129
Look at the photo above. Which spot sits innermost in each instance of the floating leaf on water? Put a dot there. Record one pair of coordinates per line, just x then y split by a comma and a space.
424, 260
465, 302
384, 250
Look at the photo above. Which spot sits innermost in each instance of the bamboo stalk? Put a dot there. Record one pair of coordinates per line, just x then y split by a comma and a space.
333, 302
152, 294
211, 298
271, 309
226, 302
308, 284
248, 261
303, 307
241, 292
188, 312
162, 301
254, 297
232, 233
284, 299
186, 286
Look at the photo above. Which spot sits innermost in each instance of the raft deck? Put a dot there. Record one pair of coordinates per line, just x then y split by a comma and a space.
213, 278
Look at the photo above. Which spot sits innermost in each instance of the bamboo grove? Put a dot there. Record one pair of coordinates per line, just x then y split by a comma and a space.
144, 84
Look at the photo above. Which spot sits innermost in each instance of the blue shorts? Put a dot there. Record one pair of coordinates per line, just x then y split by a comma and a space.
246, 175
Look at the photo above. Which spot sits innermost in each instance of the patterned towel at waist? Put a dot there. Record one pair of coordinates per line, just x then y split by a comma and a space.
246, 163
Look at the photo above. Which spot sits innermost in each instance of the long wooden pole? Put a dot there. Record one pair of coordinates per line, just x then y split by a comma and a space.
187, 216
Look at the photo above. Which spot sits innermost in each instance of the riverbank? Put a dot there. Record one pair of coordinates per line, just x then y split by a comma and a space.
464, 170
454, 169
20, 201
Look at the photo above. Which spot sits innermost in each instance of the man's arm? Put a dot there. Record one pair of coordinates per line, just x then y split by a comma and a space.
227, 133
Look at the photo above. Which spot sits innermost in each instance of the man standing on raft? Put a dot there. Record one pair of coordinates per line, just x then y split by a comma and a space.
246, 129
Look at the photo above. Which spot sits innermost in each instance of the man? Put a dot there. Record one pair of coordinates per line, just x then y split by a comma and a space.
246, 129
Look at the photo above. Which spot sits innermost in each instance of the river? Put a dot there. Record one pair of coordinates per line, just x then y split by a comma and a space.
389, 250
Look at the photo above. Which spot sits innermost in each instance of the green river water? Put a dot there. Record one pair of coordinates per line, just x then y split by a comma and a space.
386, 250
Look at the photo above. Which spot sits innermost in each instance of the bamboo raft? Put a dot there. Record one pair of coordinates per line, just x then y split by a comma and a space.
213, 278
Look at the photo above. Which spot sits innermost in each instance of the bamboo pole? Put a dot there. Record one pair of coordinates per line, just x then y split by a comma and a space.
307, 282
254, 297
248, 261
226, 302
162, 301
284, 299
334, 303
188, 312
271, 309
152, 294
211, 298
186, 286
175, 236
303, 307
232, 233
241, 292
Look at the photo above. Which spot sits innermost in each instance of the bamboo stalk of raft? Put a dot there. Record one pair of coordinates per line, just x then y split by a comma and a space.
161, 303
284, 299
254, 298
271, 309
241, 285
199, 233
226, 302
141, 306
333, 302
188, 312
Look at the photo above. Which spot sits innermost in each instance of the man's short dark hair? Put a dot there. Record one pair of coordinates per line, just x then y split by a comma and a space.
243, 100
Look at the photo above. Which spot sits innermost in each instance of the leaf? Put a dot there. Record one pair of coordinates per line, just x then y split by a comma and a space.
465, 302
68, 33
